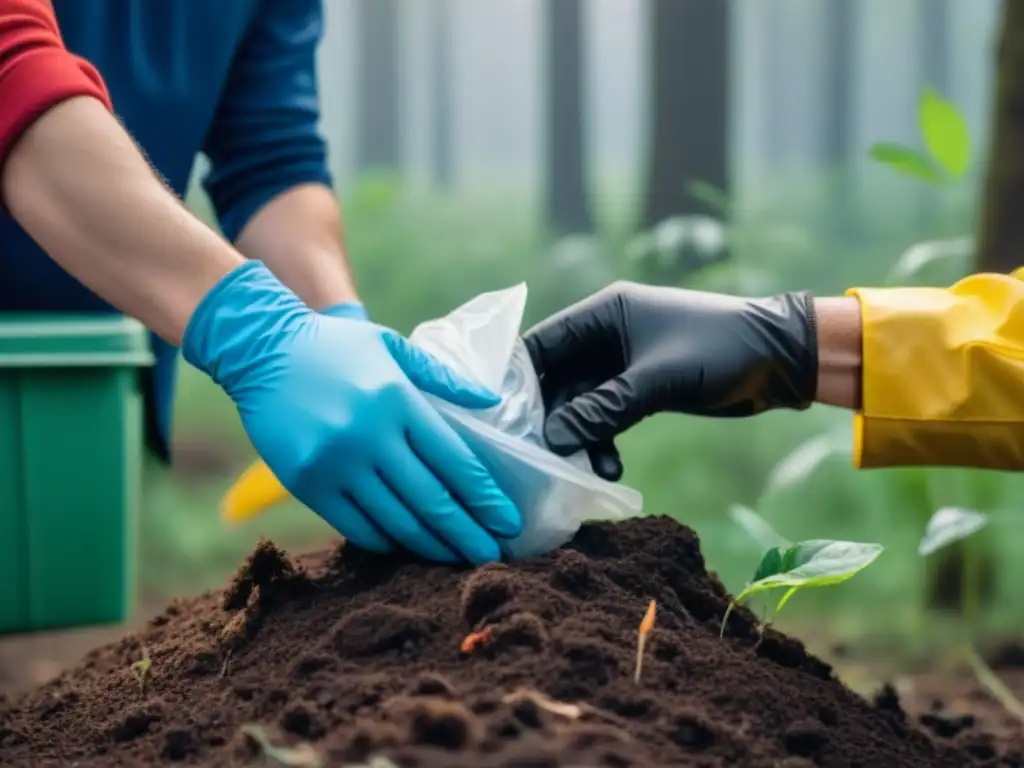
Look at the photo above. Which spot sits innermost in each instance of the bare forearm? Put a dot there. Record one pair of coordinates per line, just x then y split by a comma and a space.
298, 235
839, 352
78, 184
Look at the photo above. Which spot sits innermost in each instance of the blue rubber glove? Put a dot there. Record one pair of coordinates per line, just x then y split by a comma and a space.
334, 407
351, 310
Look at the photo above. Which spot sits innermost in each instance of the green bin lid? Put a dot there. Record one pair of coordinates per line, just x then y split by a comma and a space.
66, 340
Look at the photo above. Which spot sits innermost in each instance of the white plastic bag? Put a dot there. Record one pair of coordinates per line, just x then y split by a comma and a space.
555, 495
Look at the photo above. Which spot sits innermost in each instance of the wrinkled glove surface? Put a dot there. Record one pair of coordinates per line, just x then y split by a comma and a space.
630, 351
333, 404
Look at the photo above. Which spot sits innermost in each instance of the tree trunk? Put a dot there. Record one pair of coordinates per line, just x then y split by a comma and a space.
1001, 235
443, 40
690, 66
1000, 249
566, 208
378, 143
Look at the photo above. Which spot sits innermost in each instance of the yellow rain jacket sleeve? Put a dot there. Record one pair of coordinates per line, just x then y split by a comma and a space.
943, 375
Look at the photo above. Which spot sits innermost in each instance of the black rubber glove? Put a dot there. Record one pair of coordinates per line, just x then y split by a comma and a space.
630, 351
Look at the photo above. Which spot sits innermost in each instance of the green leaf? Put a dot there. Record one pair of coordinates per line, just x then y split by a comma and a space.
921, 259
804, 460
716, 198
771, 563
813, 563
907, 161
817, 563
949, 525
945, 133
756, 527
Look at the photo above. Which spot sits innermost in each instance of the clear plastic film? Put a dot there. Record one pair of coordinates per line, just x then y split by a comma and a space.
555, 495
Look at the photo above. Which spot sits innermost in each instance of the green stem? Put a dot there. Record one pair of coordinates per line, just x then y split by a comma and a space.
991, 682
970, 586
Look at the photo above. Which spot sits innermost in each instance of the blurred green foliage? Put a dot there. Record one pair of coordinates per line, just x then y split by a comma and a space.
418, 255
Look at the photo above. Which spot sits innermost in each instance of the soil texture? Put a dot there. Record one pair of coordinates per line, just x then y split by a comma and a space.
342, 657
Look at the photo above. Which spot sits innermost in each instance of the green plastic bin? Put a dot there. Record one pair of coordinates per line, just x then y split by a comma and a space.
71, 433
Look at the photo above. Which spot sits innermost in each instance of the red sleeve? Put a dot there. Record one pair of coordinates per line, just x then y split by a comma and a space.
36, 70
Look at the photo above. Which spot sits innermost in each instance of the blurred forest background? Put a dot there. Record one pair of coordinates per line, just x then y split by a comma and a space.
705, 143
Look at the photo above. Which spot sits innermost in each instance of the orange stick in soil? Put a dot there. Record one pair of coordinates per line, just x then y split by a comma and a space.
646, 627
473, 639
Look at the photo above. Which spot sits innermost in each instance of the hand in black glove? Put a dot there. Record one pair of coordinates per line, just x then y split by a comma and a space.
630, 351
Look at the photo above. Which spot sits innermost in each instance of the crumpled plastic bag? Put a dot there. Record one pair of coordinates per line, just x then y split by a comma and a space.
555, 495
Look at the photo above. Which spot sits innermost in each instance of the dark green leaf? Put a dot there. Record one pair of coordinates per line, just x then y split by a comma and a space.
771, 563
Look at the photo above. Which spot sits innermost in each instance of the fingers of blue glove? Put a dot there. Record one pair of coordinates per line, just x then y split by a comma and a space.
461, 473
390, 514
352, 522
427, 497
430, 375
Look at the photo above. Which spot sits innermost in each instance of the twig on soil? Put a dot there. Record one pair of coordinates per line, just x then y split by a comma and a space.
299, 756
646, 627
226, 665
473, 639
991, 682
570, 711
141, 670
761, 627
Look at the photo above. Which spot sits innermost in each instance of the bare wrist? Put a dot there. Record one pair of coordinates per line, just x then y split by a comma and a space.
839, 352
298, 235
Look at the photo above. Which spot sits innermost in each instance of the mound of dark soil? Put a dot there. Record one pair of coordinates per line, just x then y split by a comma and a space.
360, 656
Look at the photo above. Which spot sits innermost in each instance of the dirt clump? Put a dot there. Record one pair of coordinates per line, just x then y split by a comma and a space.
346, 656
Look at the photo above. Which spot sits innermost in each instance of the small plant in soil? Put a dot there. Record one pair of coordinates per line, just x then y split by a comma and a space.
948, 526
646, 627
812, 563
141, 668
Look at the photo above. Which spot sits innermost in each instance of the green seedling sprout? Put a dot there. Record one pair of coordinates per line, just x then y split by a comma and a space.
141, 670
947, 526
300, 756
946, 157
756, 527
804, 460
945, 161
913, 264
813, 563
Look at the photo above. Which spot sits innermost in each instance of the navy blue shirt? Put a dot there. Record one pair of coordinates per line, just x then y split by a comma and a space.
235, 79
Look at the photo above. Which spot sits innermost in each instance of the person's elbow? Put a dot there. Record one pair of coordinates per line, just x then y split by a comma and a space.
257, 169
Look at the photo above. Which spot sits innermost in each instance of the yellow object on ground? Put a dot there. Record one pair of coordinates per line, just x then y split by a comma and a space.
255, 491
943, 380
